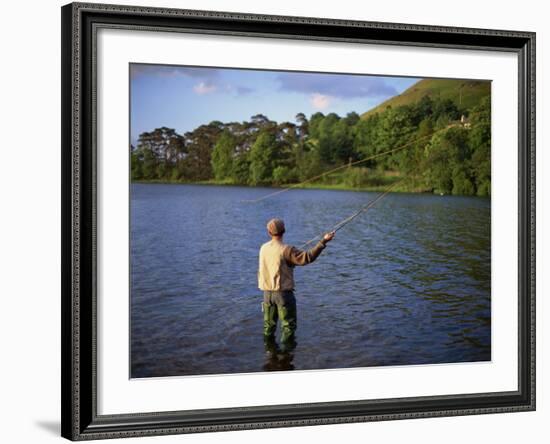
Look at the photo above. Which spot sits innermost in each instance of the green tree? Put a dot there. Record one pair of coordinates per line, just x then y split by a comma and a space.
222, 156
303, 126
480, 141
150, 164
262, 158
157, 153
351, 118
447, 162
395, 129
136, 163
366, 138
283, 174
462, 180
200, 143
342, 140
240, 172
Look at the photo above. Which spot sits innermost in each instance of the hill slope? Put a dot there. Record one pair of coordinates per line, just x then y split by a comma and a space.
464, 93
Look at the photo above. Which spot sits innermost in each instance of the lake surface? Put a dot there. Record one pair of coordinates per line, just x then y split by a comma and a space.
407, 282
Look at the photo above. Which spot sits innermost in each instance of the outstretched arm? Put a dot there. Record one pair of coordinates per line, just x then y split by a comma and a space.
295, 256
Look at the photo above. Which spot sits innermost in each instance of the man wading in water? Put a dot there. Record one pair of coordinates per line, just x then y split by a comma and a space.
276, 279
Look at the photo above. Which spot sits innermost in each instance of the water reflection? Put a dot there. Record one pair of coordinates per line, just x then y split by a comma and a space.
278, 357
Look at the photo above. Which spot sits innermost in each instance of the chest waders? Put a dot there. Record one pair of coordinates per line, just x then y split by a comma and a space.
280, 306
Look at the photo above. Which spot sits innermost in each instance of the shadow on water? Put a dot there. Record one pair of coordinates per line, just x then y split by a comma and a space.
407, 283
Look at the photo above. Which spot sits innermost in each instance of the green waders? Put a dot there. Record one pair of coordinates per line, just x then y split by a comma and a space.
280, 305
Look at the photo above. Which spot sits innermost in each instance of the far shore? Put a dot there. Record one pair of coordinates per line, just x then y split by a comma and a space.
401, 188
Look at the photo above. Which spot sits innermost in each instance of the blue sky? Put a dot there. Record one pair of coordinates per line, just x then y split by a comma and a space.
184, 98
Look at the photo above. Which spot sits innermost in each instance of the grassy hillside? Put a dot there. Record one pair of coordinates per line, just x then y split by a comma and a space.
464, 93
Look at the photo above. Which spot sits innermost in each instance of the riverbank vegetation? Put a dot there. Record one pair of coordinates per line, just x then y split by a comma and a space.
446, 149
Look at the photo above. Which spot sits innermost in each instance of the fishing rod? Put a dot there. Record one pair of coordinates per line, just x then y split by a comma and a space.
361, 210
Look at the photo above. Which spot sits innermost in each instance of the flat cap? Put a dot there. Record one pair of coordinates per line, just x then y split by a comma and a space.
276, 227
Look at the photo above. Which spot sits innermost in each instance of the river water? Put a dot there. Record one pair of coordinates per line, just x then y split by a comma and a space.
406, 283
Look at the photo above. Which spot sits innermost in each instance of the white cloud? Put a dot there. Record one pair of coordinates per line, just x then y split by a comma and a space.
320, 101
204, 88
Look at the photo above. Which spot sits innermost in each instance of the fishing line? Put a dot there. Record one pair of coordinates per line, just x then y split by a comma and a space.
363, 209
357, 162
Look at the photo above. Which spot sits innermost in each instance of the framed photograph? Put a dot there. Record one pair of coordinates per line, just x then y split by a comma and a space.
275, 221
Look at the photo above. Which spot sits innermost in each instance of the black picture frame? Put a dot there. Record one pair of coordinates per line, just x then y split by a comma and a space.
80, 420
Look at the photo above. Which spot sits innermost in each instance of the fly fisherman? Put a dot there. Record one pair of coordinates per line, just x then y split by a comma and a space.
276, 279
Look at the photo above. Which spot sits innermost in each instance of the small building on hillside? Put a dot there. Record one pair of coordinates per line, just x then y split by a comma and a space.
465, 122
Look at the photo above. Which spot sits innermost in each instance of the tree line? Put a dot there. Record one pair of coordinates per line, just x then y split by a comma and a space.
448, 149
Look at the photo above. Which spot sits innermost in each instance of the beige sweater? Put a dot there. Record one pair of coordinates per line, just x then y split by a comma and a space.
277, 262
